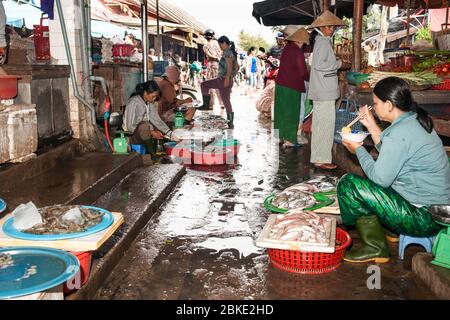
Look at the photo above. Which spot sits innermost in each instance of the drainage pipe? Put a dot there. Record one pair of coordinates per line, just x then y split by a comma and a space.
73, 76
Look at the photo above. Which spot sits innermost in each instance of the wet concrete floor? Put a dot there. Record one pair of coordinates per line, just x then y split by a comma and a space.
201, 244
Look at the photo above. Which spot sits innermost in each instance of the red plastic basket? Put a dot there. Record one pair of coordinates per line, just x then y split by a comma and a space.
41, 41
122, 50
445, 85
311, 262
85, 259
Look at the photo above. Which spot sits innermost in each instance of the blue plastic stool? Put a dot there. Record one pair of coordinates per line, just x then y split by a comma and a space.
405, 240
139, 148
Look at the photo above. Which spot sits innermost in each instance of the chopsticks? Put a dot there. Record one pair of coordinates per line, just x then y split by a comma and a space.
358, 117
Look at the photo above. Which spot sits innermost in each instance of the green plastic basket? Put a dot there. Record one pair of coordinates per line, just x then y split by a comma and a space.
322, 197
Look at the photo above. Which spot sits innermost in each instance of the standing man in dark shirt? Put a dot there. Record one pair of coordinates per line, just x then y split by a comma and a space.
276, 50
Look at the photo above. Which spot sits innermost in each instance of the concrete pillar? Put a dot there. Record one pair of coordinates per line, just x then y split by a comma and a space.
79, 120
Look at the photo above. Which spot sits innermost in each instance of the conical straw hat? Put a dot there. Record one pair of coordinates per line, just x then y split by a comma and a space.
326, 19
290, 29
301, 35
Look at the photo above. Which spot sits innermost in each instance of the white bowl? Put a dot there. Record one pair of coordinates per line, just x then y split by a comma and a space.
355, 137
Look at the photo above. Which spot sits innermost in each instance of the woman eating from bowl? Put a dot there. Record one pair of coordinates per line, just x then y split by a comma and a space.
411, 173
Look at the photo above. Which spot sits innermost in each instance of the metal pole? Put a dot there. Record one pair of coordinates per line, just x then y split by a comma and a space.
158, 35
446, 14
144, 23
358, 11
89, 28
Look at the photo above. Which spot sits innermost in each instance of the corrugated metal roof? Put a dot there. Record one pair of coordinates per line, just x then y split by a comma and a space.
167, 11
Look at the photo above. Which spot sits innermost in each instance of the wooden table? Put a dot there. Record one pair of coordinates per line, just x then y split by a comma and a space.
88, 243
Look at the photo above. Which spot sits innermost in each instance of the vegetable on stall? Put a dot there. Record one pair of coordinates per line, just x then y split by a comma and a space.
419, 79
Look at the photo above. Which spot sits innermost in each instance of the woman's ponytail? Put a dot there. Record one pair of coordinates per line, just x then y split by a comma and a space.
149, 87
422, 116
233, 48
139, 90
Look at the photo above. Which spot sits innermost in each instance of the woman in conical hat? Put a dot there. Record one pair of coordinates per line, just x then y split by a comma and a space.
324, 90
290, 85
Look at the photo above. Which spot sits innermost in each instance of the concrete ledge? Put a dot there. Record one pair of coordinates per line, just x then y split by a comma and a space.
46, 161
105, 183
435, 277
138, 197
345, 160
78, 180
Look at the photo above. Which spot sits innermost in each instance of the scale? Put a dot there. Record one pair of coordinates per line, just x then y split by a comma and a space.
441, 246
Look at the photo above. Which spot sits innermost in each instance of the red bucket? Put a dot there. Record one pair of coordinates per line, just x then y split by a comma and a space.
85, 259
8, 86
211, 158
173, 150
311, 262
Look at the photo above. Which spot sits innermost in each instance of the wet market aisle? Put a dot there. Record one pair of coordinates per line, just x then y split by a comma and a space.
201, 244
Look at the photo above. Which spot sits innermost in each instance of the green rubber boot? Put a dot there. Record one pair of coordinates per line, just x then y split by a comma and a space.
230, 118
206, 101
391, 236
374, 247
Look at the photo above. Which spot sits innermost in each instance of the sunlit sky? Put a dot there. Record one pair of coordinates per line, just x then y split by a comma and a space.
226, 17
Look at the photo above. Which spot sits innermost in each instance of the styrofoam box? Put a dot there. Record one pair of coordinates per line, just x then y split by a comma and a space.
22, 131
4, 140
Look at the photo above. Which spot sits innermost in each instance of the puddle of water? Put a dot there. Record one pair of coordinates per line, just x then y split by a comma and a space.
245, 245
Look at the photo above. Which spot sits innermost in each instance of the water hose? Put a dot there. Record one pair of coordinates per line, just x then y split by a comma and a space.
106, 117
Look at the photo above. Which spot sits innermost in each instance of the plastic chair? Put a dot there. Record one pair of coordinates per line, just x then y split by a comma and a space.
405, 240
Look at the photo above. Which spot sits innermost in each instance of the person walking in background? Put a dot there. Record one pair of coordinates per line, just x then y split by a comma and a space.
213, 53
261, 55
228, 68
324, 90
290, 84
251, 71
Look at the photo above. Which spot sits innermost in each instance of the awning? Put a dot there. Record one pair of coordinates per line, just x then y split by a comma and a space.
297, 12
181, 39
102, 12
167, 12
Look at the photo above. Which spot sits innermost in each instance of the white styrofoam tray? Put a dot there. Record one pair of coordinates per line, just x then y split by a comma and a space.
329, 247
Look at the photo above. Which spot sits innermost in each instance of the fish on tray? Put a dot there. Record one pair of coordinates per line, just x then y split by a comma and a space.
57, 220
211, 122
298, 225
301, 195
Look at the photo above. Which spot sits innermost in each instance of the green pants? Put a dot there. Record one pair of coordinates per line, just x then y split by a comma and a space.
287, 112
360, 197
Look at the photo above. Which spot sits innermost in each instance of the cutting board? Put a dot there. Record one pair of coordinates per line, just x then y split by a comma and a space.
88, 243
331, 209
265, 242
